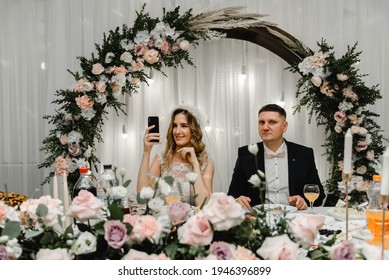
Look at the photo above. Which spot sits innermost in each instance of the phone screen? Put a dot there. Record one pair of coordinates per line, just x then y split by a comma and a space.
153, 120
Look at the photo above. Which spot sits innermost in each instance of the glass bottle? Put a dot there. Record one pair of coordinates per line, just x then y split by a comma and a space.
106, 181
85, 182
374, 213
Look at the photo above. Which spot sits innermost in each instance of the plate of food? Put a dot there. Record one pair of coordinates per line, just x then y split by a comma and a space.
276, 208
339, 213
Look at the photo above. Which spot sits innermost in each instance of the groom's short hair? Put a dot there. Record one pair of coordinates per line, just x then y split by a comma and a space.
273, 108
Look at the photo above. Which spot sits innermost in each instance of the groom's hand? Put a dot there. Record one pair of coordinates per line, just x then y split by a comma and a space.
298, 202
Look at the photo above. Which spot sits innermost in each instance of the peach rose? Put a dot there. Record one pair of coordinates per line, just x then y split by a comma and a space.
151, 56
223, 211
63, 139
83, 85
341, 77
278, 248
242, 253
184, 45
85, 206
121, 70
100, 86
97, 69
197, 231
84, 102
137, 65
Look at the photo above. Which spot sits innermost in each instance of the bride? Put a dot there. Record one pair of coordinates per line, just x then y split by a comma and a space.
184, 152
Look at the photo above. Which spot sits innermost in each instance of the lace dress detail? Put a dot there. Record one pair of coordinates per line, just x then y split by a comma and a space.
178, 171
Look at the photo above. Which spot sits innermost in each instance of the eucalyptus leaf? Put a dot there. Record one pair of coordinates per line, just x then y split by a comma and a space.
116, 213
12, 229
141, 200
32, 233
42, 210
126, 183
169, 180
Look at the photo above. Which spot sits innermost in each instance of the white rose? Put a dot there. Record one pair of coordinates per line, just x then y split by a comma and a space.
341, 77
53, 254
156, 203
255, 180
108, 57
164, 187
363, 131
126, 57
338, 128
354, 129
184, 45
278, 248
223, 212
119, 192
191, 177
86, 243
316, 81
146, 193
253, 148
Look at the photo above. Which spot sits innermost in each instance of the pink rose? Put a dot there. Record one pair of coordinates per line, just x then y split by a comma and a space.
139, 255
84, 102
85, 206
151, 56
340, 117
278, 248
305, 228
53, 254
74, 149
115, 234
3, 211
361, 146
178, 211
97, 69
196, 231
343, 251
221, 250
223, 211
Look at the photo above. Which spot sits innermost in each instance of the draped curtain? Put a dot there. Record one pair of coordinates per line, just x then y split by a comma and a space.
41, 39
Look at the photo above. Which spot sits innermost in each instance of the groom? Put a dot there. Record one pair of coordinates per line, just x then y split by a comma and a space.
287, 166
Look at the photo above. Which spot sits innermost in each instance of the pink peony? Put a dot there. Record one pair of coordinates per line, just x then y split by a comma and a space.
343, 251
146, 227
305, 228
196, 231
278, 248
84, 102
85, 206
151, 56
223, 211
242, 253
178, 211
139, 255
53, 254
115, 234
97, 69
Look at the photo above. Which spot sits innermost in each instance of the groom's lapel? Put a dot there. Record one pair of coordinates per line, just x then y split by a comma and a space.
292, 169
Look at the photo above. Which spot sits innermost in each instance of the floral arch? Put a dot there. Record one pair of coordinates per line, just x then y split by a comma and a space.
331, 88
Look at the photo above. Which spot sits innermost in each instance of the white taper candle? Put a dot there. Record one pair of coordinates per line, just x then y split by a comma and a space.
348, 144
385, 173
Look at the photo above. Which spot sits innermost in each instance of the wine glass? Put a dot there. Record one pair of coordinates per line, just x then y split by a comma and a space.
311, 192
172, 196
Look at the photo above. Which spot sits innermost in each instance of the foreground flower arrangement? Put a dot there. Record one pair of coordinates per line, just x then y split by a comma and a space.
222, 229
332, 90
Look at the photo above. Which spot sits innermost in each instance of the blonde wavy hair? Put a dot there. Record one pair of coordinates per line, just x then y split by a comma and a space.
196, 139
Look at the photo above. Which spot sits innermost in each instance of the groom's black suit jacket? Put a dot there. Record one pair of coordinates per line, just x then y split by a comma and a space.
301, 169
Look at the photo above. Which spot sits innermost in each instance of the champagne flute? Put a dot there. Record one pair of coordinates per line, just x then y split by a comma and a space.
172, 196
311, 192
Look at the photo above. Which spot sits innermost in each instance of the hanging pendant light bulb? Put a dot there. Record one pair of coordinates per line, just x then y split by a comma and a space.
124, 132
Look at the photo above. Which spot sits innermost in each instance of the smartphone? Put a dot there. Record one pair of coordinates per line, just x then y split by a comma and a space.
153, 120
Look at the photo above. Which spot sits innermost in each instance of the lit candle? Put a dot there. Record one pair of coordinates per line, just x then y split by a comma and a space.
55, 193
385, 173
348, 144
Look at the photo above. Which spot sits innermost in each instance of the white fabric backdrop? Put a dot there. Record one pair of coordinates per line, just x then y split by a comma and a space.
56, 32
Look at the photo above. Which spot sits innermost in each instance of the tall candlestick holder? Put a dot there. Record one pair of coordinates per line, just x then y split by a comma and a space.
347, 180
384, 204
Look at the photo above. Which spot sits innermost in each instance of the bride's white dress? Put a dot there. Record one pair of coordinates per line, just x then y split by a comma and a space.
178, 171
